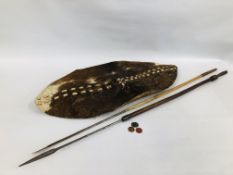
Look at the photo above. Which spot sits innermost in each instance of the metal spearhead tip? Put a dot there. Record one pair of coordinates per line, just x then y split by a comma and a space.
41, 156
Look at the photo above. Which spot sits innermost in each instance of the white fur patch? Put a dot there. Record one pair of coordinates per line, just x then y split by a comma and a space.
43, 100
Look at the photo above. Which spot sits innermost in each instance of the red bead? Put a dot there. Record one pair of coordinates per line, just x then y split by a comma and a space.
139, 130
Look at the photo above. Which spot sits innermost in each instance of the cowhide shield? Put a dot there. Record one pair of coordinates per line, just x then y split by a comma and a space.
93, 91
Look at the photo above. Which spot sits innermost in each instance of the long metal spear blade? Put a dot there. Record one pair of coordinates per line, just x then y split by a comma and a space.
41, 156
135, 106
80, 131
52, 151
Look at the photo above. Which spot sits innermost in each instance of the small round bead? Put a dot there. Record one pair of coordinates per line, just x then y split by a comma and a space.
130, 129
139, 130
134, 124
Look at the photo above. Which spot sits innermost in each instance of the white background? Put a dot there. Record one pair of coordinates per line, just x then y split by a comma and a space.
40, 41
